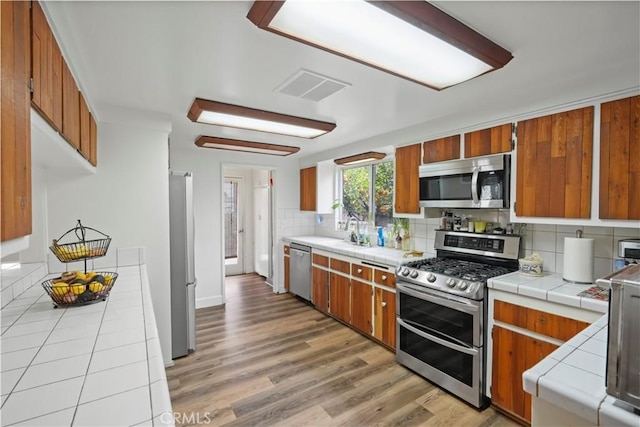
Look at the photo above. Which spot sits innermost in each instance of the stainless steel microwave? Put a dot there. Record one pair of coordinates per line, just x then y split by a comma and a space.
623, 348
481, 182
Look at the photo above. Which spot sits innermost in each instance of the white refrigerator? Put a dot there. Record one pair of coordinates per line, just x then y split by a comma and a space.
183, 280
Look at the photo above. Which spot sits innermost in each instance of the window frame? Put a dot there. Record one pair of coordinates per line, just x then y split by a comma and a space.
372, 181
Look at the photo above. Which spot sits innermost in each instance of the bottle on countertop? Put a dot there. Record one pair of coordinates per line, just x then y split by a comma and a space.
380, 236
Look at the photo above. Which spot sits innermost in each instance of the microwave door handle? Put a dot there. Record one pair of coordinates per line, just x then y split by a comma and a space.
474, 185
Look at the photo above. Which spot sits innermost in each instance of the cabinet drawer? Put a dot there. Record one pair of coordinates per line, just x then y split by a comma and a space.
361, 271
321, 260
385, 278
341, 266
286, 250
551, 325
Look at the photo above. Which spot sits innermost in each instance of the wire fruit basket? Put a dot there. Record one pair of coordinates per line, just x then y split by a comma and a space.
77, 288
82, 249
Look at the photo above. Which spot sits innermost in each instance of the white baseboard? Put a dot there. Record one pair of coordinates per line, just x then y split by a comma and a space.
209, 301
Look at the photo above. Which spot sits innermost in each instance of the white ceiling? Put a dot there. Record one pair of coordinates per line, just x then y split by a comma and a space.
158, 56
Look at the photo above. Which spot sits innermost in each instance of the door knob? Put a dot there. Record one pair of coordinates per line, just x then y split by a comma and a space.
384, 303
384, 277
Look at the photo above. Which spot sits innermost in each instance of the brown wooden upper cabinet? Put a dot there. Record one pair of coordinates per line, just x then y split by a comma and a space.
15, 119
308, 179
488, 141
70, 108
93, 141
46, 70
554, 165
439, 150
407, 182
620, 159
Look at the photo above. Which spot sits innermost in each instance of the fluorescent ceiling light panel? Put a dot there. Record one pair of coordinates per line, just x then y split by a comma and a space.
246, 146
410, 39
360, 158
236, 116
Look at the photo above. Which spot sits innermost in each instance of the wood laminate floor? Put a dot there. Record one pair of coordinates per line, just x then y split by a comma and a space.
267, 360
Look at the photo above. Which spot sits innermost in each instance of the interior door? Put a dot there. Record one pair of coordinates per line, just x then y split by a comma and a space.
233, 226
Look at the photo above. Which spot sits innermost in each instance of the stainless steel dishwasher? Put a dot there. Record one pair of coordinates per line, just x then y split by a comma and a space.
300, 270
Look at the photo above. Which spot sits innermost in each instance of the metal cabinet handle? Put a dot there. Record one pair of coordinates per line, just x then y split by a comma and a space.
384, 277
384, 303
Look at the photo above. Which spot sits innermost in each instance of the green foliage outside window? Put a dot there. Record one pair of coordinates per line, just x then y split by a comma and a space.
367, 193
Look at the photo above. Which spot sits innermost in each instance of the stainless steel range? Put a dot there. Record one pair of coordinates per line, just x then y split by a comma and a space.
441, 312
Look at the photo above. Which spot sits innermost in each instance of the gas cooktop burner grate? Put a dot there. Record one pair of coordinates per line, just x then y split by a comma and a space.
461, 269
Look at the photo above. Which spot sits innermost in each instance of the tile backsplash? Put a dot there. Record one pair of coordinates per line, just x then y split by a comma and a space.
545, 239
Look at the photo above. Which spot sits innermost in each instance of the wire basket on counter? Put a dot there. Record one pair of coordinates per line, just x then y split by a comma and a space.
82, 249
77, 288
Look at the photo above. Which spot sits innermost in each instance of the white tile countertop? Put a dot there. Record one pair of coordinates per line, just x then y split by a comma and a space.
379, 254
573, 378
97, 364
550, 287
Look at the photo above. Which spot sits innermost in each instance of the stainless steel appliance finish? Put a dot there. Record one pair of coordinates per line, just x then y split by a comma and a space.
300, 279
482, 182
629, 249
183, 280
441, 312
623, 349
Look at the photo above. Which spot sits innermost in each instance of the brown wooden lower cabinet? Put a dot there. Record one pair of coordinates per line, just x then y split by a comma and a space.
287, 273
320, 289
384, 316
361, 306
514, 353
339, 296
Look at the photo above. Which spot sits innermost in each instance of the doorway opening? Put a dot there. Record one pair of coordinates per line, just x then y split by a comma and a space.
248, 227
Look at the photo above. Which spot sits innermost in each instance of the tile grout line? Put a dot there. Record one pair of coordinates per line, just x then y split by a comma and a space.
86, 374
146, 344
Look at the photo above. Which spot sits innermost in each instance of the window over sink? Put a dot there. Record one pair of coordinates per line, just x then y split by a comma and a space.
366, 193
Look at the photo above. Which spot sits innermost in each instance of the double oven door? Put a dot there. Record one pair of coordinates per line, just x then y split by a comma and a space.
440, 336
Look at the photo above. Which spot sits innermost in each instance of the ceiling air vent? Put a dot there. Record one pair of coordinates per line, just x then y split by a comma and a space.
312, 86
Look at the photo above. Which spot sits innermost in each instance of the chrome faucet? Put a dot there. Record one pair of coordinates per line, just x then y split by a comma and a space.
353, 217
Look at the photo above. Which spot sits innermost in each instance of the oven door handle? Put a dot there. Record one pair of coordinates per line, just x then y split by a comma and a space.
462, 349
466, 306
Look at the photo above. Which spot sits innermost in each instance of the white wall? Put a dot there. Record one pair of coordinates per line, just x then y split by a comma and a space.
260, 218
207, 168
39, 240
128, 199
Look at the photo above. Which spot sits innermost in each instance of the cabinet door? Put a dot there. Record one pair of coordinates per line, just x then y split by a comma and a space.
308, 189
361, 306
85, 129
287, 273
15, 128
554, 165
47, 69
70, 108
439, 150
320, 289
339, 296
514, 353
620, 159
385, 317
93, 141
407, 183
488, 141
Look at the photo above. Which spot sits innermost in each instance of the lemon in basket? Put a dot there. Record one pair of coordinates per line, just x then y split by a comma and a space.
78, 288
108, 279
60, 288
95, 287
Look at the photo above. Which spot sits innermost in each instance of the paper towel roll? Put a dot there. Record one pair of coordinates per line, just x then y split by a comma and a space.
578, 260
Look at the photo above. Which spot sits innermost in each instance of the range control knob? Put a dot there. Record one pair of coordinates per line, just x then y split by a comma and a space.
451, 283
414, 274
463, 285
405, 271
431, 278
